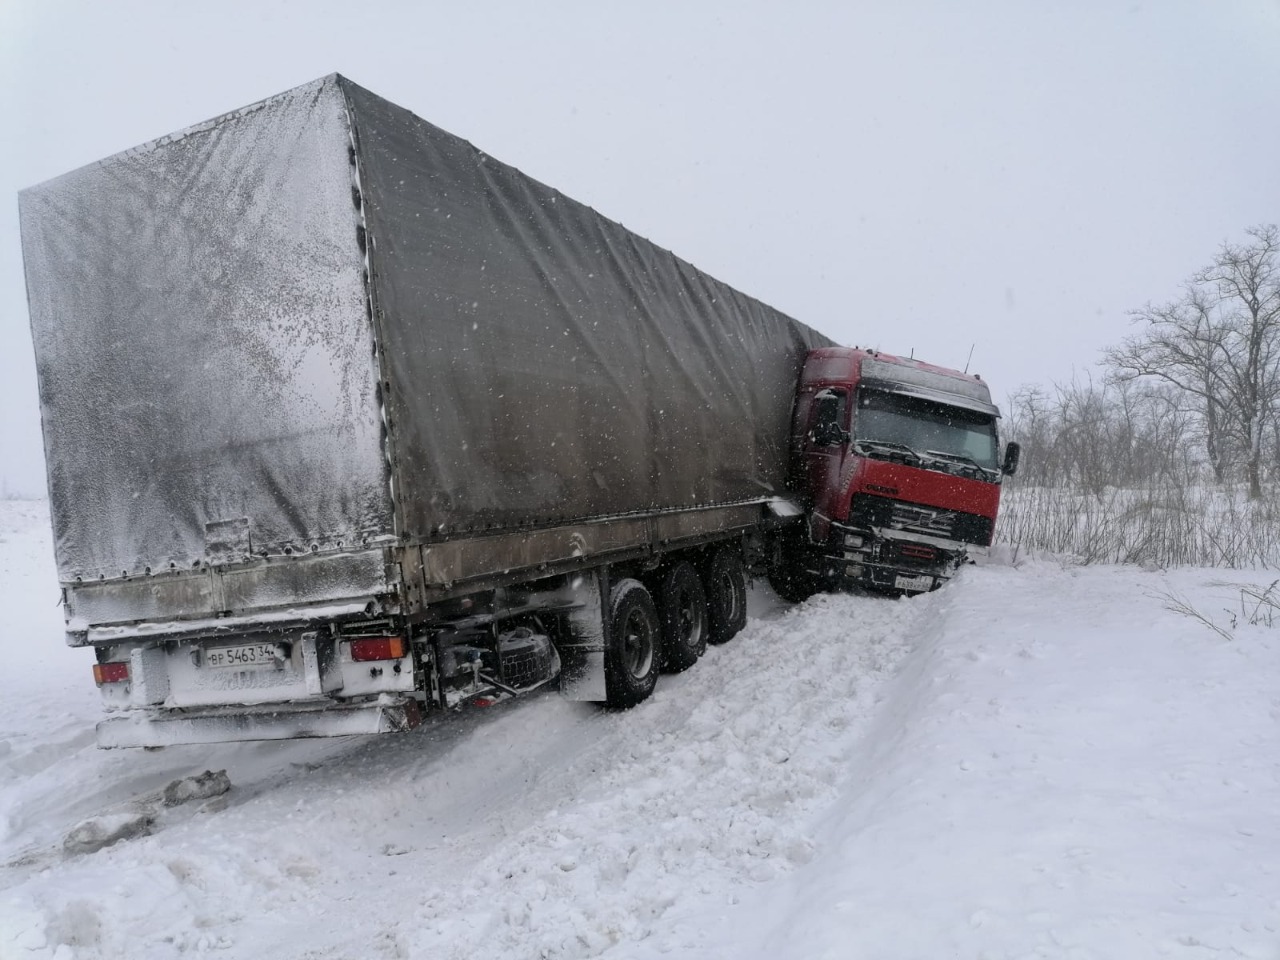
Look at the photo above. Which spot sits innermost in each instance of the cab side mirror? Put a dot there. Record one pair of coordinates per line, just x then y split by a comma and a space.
829, 434
1012, 454
827, 431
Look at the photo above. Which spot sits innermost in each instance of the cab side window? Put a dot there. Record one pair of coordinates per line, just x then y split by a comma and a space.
827, 417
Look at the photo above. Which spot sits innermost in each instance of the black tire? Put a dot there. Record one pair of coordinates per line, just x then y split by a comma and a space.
634, 653
682, 608
790, 576
726, 584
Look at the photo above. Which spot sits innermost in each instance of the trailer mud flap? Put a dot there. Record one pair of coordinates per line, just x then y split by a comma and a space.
386, 715
582, 651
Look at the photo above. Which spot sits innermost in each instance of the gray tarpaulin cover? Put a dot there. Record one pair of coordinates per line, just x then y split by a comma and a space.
206, 350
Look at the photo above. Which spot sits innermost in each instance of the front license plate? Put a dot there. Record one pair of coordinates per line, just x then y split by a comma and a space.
913, 583
248, 656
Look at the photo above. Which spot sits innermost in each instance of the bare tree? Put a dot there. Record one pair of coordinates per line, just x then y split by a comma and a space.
1181, 346
1092, 437
1220, 343
1031, 421
1247, 279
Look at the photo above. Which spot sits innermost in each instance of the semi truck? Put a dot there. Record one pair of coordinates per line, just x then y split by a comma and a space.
346, 422
898, 463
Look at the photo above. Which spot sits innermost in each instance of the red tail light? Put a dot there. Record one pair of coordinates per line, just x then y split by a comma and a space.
377, 648
110, 672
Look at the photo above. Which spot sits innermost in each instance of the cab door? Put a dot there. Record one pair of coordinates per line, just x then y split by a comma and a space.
823, 442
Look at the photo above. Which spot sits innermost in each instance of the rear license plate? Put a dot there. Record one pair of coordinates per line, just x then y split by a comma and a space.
249, 656
913, 583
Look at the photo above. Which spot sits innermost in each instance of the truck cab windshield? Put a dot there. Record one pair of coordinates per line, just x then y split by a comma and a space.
929, 434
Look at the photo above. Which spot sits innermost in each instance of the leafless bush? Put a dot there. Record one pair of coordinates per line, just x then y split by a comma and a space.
1158, 524
1116, 472
1177, 604
1259, 607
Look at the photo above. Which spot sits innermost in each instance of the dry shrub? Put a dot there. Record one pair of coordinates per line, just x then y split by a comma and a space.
1163, 525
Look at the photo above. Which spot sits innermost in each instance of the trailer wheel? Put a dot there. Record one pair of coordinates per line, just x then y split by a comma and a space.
726, 595
682, 607
634, 653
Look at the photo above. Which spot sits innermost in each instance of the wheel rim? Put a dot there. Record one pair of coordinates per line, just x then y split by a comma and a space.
637, 644
689, 617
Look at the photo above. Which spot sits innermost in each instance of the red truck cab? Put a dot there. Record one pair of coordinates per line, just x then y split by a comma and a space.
899, 464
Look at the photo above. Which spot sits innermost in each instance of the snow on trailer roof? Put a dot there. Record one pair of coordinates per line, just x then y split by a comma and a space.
199, 315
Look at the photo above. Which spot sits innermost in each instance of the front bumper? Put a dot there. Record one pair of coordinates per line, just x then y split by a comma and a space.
890, 559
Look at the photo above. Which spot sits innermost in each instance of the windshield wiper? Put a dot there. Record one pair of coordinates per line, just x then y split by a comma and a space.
887, 446
960, 458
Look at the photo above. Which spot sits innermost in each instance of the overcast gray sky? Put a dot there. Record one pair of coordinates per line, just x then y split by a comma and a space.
928, 176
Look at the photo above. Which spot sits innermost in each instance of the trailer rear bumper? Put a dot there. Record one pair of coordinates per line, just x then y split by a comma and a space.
160, 728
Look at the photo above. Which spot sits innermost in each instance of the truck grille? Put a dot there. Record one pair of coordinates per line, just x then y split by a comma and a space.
934, 522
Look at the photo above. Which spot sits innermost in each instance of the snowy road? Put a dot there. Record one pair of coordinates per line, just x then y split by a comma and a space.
1035, 761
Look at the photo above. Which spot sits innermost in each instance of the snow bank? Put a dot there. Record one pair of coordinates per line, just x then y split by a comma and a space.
1063, 769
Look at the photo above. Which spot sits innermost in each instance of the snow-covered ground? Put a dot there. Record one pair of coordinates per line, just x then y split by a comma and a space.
1035, 761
